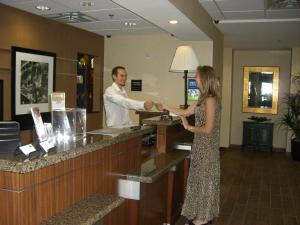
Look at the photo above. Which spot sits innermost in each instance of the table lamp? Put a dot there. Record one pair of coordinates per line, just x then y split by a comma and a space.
185, 60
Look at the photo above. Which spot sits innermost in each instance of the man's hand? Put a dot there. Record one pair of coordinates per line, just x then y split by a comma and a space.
148, 104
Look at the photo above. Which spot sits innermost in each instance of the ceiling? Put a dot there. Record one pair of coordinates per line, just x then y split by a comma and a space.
253, 24
245, 23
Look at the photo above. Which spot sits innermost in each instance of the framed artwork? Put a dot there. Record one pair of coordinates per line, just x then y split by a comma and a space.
1, 100
33, 80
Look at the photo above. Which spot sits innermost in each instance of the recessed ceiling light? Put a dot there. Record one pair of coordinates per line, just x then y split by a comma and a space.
173, 21
87, 3
42, 7
130, 24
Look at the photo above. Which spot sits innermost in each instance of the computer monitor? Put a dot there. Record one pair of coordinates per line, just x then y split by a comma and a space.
193, 91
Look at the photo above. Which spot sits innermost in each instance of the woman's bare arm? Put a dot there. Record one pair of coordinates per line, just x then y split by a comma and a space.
180, 112
210, 113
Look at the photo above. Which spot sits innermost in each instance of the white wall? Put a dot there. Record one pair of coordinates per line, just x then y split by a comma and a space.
281, 58
148, 57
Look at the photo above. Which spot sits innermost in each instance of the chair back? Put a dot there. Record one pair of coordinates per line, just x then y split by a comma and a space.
9, 136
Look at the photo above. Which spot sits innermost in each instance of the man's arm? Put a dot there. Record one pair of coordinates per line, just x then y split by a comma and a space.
124, 102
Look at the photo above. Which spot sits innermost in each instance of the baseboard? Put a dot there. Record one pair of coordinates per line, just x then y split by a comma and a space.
223, 148
235, 146
240, 147
279, 150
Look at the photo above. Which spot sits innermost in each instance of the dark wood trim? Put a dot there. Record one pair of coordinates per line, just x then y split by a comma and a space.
1, 100
170, 197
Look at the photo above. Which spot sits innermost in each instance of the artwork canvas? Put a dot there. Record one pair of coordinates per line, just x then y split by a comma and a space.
33, 79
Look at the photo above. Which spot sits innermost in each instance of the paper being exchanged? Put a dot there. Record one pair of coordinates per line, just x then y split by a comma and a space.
172, 114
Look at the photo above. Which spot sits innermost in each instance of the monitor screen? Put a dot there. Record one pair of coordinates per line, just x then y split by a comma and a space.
193, 91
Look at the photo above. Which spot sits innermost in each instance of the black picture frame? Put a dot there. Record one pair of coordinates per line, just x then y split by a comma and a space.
33, 79
1, 100
136, 85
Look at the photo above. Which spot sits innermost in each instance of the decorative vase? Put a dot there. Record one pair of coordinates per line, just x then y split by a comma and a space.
295, 146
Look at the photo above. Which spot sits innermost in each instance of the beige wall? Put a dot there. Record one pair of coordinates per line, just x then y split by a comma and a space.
148, 57
258, 58
226, 98
199, 16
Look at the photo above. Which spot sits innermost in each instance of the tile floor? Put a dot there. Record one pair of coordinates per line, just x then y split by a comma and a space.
258, 188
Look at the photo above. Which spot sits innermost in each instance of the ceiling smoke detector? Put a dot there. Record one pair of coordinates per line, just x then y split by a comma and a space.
283, 4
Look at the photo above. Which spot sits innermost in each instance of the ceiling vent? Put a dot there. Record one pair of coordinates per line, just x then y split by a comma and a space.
283, 4
71, 17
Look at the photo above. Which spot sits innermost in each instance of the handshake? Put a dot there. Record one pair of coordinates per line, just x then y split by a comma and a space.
149, 104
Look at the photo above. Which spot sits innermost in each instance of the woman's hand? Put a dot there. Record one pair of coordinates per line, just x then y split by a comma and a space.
159, 106
185, 123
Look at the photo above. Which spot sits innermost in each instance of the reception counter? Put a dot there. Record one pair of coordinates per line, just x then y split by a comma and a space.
96, 170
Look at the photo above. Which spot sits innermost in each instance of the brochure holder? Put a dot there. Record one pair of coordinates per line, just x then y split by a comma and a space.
69, 124
43, 132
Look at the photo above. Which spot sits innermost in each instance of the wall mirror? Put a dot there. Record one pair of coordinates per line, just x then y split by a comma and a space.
260, 89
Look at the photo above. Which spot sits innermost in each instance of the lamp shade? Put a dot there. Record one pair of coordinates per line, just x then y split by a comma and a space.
184, 59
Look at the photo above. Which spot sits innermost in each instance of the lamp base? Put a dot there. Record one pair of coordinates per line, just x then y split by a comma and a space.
183, 106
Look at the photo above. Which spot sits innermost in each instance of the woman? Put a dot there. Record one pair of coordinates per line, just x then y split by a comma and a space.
201, 203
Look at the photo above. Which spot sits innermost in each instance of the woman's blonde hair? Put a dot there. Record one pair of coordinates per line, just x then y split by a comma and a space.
210, 83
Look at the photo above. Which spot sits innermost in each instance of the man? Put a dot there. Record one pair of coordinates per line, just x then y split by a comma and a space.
117, 103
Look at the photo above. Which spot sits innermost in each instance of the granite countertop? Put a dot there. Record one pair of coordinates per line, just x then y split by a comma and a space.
157, 166
92, 142
157, 121
86, 212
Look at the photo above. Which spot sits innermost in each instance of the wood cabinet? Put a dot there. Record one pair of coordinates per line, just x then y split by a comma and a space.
258, 135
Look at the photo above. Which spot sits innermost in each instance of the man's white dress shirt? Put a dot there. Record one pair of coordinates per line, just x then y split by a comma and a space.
117, 103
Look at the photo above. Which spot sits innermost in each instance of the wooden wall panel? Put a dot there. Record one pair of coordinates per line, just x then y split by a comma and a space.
26, 30
5, 75
67, 66
5, 57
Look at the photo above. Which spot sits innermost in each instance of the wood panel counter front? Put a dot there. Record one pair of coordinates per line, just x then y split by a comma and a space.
34, 190
168, 132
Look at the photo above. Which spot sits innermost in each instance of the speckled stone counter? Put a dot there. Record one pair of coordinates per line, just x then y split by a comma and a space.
92, 142
157, 121
157, 166
86, 212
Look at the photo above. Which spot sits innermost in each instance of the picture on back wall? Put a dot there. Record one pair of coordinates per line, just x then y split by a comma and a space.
33, 80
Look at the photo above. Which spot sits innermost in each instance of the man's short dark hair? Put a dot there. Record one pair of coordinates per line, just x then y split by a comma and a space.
115, 70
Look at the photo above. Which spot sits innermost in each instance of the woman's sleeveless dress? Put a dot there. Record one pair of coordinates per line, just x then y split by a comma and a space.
203, 186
